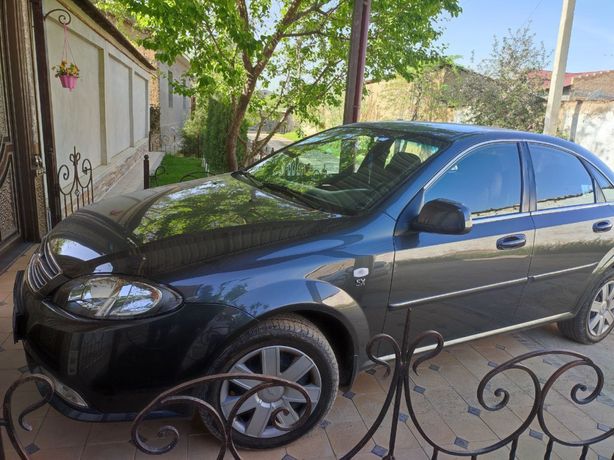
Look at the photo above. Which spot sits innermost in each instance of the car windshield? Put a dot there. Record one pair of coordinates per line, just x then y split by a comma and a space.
345, 170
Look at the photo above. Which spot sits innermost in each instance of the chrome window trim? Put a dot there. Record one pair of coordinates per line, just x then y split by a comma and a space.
569, 208
482, 335
483, 220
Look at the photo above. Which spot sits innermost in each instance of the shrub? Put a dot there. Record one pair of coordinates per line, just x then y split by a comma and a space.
217, 123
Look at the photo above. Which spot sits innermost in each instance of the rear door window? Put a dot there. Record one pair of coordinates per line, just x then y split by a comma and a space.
560, 178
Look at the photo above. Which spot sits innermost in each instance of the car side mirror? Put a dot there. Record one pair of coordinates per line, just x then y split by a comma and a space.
443, 216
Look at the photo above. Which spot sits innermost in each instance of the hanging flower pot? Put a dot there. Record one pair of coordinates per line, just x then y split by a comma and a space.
68, 81
67, 72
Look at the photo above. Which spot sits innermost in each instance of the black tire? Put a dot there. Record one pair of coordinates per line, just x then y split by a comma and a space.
577, 328
290, 331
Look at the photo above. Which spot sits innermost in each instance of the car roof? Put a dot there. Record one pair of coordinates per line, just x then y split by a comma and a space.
448, 131
452, 132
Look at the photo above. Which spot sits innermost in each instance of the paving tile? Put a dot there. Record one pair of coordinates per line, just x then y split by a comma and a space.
460, 442
344, 436
59, 431
405, 439
366, 383
109, 451
502, 422
313, 445
109, 432
435, 427
470, 428
61, 453
202, 446
572, 418
343, 410
413, 454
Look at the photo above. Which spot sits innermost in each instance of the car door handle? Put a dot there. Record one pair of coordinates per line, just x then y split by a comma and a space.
512, 241
602, 226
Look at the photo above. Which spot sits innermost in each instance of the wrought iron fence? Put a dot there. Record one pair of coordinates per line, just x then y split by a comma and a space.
398, 391
76, 181
163, 142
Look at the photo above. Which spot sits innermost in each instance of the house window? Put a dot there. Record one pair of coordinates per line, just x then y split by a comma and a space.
170, 88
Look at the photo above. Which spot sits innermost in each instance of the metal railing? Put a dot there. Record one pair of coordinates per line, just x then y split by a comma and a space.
398, 391
76, 183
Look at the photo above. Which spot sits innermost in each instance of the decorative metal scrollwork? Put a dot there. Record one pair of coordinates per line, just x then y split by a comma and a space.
181, 395
80, 188
64, 17
47, 389
400, 387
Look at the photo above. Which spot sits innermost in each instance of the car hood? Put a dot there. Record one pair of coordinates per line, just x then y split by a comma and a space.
166, 228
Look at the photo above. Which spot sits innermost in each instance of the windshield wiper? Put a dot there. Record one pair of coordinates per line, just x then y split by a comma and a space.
282, 189
249, 176
297, 196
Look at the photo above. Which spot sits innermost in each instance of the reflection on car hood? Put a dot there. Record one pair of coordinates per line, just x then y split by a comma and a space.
166, 228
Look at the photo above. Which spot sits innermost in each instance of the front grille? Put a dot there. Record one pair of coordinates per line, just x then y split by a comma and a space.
42, 268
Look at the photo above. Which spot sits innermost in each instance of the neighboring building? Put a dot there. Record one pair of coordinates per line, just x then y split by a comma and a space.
174, 108
592, 86
105, 118
168, 109
430, 97
587, 111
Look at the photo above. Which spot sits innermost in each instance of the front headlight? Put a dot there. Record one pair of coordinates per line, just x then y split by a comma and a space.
113, 297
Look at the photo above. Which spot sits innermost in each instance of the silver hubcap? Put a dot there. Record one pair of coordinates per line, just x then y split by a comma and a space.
601, 314
254, 417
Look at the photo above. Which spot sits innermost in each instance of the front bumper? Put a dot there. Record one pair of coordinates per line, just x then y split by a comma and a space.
118, 367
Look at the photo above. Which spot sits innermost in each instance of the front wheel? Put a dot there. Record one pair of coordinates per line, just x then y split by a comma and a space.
289, 347
595, 320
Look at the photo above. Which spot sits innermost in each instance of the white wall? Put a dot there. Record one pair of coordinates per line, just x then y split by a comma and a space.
140, 107
119, 121
107, 113
173, 118
76, 114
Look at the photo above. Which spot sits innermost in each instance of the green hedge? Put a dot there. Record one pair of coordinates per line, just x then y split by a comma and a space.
219, 114
205, 133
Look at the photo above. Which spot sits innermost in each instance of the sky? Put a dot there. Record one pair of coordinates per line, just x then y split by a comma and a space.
592, 36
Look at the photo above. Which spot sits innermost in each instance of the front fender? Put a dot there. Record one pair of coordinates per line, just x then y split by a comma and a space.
289, 295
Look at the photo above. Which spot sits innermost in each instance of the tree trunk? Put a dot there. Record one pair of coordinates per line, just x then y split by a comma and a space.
238, 115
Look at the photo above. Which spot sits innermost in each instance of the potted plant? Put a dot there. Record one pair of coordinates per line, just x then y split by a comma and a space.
68, 73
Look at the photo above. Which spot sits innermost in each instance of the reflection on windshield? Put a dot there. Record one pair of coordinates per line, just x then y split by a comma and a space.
346, 170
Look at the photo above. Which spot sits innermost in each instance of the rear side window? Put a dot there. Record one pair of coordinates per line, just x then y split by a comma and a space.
604, 183
487, 181
560, 179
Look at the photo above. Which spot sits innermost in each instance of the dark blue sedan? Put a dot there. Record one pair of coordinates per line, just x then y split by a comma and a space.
288, 267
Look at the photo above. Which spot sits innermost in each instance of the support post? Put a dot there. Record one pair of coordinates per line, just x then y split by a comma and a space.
356, 60
42, 68
558, 70
146, 171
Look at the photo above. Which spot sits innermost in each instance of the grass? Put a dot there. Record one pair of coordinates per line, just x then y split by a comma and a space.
292, 135
176, 167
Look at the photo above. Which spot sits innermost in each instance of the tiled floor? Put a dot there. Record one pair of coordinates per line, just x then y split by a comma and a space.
444, 397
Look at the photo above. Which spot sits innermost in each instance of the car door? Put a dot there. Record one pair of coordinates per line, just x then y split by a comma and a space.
573, 234
462, 285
